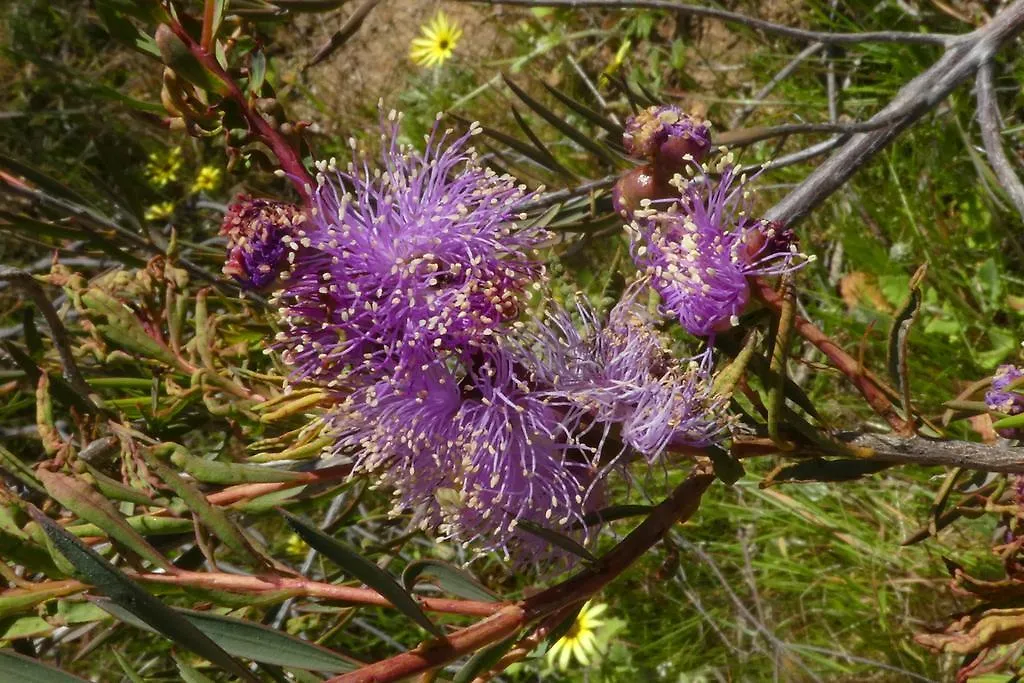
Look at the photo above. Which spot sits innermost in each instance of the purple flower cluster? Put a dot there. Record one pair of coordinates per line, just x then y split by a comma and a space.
258, 231
1004, 396
403, 295
698, 252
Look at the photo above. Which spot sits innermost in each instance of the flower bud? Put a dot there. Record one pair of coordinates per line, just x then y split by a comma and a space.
666, 135
635, 185
258, 232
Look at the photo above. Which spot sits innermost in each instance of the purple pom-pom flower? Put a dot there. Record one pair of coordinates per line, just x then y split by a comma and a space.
258, 231
699, 251
424, 253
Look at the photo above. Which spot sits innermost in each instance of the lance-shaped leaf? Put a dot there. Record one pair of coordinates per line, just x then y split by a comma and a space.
175, 54
14, 466
579, 137
90, 505
127, 668
15, 667
452, 579
359, 567
818, 469
250, 640
111, 582
556, 539
215, 472
484, 660
124, 329
780, 355
727, 468
611, 514
586, 112
213, 517
899, 339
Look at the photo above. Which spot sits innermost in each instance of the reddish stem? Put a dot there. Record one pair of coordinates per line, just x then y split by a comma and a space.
287, 156
314, 589
839, 358
679, 506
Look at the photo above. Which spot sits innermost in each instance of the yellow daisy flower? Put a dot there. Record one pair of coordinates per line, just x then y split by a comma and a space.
207, 180
437, 43
163, 170
159, 212
580, 642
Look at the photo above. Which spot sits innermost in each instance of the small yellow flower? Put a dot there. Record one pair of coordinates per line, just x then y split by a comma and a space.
159, 212
207, 180
437, 43
162, 170
580, 642
295, 546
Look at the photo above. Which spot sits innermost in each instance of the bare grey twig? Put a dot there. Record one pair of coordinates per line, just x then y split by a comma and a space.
907, 37
991, 125
960, 62
783, 74
922, 451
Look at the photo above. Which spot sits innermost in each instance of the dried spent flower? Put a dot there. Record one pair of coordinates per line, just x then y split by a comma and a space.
621, 372
424, 253
1004, 397
699, 251
258, 231
667, 136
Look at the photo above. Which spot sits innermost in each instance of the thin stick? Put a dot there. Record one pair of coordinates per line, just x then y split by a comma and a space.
783, 74
906, 37
990, 122
678, 507
923, 93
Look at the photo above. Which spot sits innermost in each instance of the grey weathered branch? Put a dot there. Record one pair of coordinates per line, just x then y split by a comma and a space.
991, 125
783, 74
907, 37
919, 450
960, 62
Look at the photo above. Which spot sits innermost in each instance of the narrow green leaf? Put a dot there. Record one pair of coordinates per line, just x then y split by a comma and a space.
188, 673
250, 640
124, 329
129, 671
83, 500
24, 627
779, 358
539, 144
39, 178
899, 339
175, 54
556, 539
257, 72
361, 568
110, 581
215, 472
818, 469
213, 517
452, 579
19, 470
612, 513
580, 138
1011, 422
15, 667
483, 660
586, 112
727, 468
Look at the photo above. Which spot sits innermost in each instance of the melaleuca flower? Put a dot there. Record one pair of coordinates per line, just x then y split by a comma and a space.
699, 251
471, 452
258, 231
621, 372
667, 136
1003, 398
424, 253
